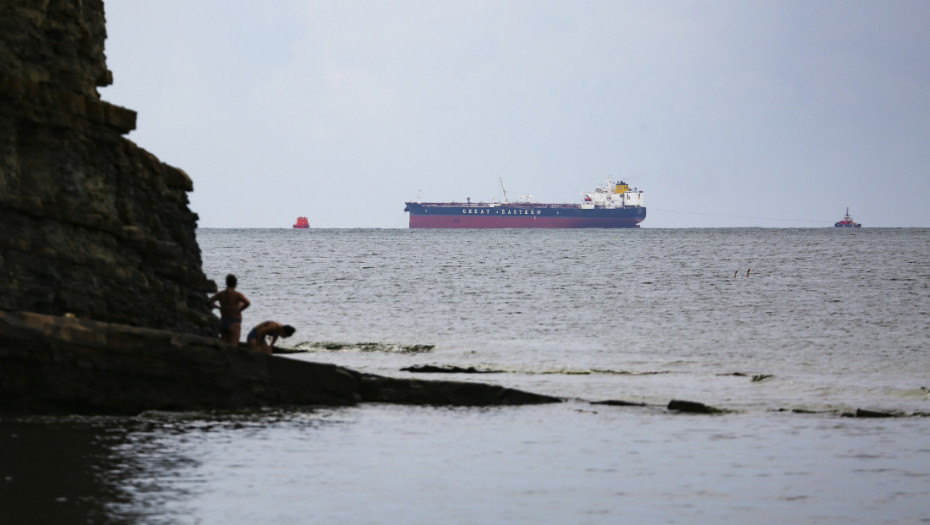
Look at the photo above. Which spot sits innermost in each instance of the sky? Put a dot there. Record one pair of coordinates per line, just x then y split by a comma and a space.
763, 113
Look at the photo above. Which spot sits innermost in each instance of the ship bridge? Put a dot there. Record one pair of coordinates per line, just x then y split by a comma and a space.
613, 195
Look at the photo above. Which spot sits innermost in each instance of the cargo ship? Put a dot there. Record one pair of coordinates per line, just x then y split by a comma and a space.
302, 223
614, 205
847, 222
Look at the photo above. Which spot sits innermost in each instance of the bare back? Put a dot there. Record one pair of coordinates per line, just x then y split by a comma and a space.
232, 303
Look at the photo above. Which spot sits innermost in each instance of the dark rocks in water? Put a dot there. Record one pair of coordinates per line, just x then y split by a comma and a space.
803, 411
861, 412
421, 392
692, 407
92, 224
619, 403
433, 369
755, 378
417, 349
50, 363
874, 413
281, 349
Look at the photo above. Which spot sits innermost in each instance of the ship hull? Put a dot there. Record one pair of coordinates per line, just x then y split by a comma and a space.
450, 215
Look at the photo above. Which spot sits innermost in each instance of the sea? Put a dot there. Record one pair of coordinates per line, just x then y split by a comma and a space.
788, 332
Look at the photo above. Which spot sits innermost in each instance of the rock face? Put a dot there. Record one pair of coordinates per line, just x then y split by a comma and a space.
50, 363
91, 224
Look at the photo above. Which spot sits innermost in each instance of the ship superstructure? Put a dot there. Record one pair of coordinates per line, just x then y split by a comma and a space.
847, 222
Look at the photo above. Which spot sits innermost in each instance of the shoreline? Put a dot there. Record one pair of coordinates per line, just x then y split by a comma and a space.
51, 364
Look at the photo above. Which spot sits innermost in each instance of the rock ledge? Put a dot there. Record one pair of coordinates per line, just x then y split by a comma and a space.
50, 363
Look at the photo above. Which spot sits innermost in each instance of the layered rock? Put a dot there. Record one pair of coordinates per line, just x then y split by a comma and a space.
91, 224
50, 363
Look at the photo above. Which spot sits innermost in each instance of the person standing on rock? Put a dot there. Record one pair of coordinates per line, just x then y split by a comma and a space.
257, 337
231, 305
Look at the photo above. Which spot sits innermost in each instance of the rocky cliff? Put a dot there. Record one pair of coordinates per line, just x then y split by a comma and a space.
91, 224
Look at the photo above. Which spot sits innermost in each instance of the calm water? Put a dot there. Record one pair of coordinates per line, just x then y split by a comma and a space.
826, 322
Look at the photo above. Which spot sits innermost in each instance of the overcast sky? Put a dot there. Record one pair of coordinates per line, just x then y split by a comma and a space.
725, 113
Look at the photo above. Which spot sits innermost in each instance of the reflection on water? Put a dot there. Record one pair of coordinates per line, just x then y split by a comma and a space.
100, 469
566, 463
58, 471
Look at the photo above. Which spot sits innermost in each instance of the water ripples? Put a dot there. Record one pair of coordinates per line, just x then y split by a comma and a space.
827, 314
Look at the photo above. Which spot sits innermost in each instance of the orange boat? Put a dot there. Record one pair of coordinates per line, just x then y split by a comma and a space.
847, 222
302, 223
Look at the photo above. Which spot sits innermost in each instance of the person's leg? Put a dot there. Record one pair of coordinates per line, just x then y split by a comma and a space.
253, 340
229, 330
235, 332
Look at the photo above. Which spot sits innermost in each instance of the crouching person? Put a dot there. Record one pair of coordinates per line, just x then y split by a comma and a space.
258, 337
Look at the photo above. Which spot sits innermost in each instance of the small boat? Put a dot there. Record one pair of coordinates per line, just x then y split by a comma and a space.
302, 223
847, 222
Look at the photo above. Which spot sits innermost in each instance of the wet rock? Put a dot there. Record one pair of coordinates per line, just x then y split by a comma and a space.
755, 378
282, 350
420, 392
874, 413
50, 363
692, 407
803, 411
618, 403
418, 349
433, 369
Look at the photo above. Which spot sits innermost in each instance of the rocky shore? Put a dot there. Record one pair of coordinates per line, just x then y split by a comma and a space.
51, 363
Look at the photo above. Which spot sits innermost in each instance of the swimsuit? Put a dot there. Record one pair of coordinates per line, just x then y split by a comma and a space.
228, 322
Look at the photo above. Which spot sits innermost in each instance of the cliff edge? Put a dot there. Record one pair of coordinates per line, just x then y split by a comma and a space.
92, 224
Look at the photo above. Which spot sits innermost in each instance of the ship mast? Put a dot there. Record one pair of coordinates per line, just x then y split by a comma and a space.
503, 188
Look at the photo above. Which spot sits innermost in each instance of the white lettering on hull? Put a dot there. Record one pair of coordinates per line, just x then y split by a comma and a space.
473, 211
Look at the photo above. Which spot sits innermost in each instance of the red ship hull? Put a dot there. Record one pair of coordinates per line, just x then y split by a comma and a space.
847, 222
